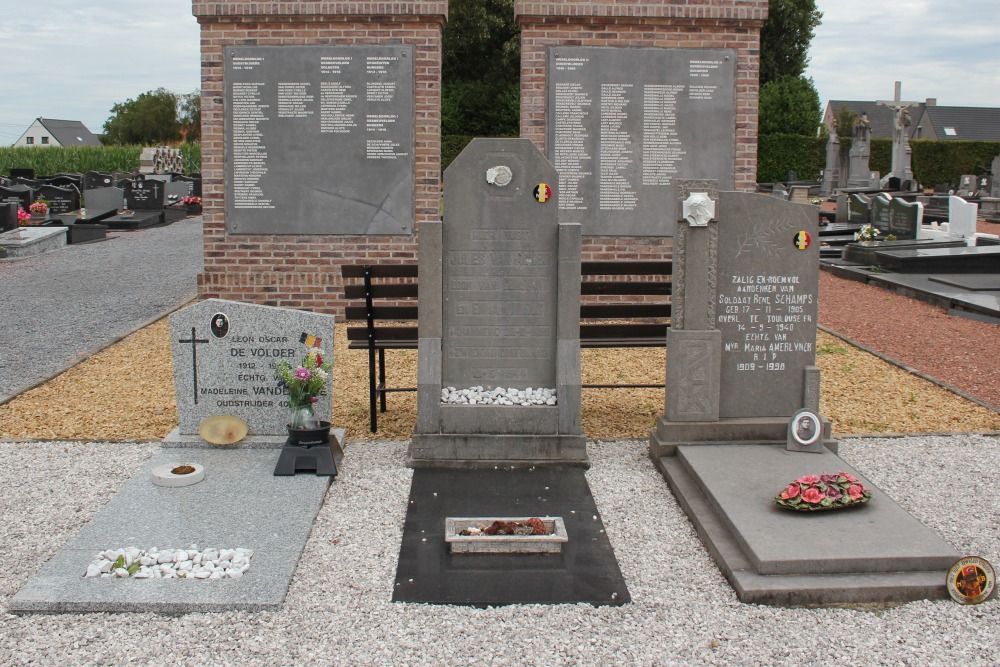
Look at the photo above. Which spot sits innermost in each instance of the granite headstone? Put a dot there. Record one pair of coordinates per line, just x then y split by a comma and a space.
962, 217
225, 354
8, 216
146, 195
96, 179
892, 215
499, 310
859, 209
21, 195
61, 200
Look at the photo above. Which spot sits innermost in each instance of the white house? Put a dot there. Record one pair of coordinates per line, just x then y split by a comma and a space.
51, 132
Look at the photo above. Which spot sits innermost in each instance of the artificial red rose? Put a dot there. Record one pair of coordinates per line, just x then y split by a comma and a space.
808, 479
791, 492
833, 493
847, 477
828, 479
812, 495
855, 491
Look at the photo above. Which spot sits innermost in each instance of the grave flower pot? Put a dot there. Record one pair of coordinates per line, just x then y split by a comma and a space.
309, 437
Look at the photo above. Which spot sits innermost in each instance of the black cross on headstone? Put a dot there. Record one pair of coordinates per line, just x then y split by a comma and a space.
194, 358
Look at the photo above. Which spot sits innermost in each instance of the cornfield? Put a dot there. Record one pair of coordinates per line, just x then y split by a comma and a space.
51, 160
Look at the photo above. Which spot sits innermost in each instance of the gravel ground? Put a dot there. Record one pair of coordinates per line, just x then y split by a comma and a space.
63, 306
338, 610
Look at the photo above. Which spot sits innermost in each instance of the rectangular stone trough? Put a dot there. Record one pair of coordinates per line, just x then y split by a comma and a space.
504, 544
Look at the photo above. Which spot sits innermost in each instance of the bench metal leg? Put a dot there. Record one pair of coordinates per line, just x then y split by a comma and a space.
381, 378
373, 418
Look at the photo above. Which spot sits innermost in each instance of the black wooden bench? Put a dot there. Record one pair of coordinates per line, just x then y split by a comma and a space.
623, 304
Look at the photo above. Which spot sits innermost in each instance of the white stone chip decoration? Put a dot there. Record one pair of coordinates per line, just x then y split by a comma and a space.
498, 396
190, 563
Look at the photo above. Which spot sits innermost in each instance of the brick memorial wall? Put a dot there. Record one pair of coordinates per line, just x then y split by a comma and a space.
727, 25
292, 257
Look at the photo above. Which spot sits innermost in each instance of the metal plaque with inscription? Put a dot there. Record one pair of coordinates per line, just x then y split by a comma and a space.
768, 288
623, 124
319, 139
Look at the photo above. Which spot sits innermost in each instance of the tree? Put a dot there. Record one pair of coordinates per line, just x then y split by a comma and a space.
150, 118
785, 38
481, 68
789, 105
189, 115
845, 124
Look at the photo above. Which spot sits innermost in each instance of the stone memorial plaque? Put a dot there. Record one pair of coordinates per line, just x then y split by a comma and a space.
144, 195
499, 273
319, 139
622, 124
101, 201
768, 286
891, 215
225, 354
61, 200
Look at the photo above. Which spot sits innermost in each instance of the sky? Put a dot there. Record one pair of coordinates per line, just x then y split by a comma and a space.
75, 59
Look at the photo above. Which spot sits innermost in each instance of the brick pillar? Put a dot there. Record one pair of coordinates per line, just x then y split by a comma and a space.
303, 271
674, 24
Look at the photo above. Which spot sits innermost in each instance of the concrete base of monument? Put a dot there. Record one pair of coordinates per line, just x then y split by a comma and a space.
669, 435
471, 450
177, 439
875, 553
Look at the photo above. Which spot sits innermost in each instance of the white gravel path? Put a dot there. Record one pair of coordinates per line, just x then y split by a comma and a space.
338, 610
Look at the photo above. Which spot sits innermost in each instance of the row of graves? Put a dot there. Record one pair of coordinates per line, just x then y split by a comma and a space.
499, 305
41, 214
498, 444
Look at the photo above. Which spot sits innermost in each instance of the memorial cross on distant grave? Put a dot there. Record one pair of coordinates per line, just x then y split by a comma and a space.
193, 342
900, 134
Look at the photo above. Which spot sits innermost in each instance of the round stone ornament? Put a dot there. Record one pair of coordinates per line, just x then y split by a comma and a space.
500, 176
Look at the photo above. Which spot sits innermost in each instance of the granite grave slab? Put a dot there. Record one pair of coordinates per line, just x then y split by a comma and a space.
245, 498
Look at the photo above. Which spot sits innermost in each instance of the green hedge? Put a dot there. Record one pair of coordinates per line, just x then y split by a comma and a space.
933, 162
53, 160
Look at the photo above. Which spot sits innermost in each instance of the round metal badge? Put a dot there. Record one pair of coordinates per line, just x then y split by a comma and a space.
971, 580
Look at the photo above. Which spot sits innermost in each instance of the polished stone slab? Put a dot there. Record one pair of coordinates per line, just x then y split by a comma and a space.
585, 571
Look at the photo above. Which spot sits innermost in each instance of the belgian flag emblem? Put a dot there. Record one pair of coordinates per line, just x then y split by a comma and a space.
310, 340
802, 240
543, 192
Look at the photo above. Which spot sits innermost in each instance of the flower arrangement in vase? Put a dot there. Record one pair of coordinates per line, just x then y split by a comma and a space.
867, 234
305, 383
23, 218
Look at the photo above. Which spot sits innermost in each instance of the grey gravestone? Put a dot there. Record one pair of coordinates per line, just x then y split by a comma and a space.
624, 123
225, 354
860, 175
891, 215
966, 186
995, 180
831, 173
103, 201
8, 216
319, 139
61, 200
740, 348
859, 209
144, 195
499, 307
